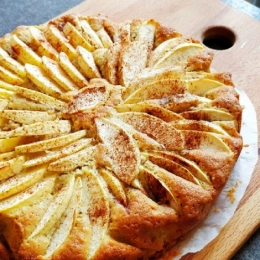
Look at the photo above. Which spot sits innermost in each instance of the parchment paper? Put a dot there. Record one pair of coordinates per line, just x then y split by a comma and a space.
224, 209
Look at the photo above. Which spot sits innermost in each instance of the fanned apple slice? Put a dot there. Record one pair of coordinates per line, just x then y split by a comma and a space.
204, 141
11, 167
41, 236
90, 35
199, 126
122, 32
72, 71
122, 149
48, 101
18, 103
50, 143
157, 90
44, 128
40, 44
5, 94
179, 55
148, 76
201, 86
71, 220
75, 38
9, 144
53, 69
99, 56
54, 155
183, 102
104, 37
11, 64
7, 86
97, 201
80, 231
9, 77
111, 61
73, 161
173, 167
87, 64
208, 114
24, 53
152, 109
7, 156
143, 31
114, 185
188, 164
20, 182
35, 192
153, 179
133, 53
154, 127
27, 117
42, 82
59, 41
165, 48
89, 98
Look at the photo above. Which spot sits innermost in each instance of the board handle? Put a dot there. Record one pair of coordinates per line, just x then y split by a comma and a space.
234, 234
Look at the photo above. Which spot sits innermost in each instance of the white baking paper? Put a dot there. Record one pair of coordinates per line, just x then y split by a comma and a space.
224, 209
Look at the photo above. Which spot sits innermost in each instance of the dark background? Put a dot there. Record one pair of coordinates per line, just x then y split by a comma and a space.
33, 12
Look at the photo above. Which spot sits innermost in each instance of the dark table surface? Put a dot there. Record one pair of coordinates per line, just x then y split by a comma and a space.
30, 12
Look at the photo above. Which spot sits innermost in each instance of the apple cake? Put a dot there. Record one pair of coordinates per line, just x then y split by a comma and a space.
115, 138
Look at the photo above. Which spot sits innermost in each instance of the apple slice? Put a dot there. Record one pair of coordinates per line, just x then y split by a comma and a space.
150, 108
155, 180
9, 144
59, 41
35, 192
72, 71
5, 94
27, 117
11, 167
188, 164
122, 149
53, 69
97, 200
56, 154
179, 56
104, 37
20, 182
99, 56
90, 35
9, 77
132, 60
201, 86
87, 64
115, 186
43, 128
208, 114
154, 127
49, 102
24, 53
43, 83
7, 86
11, 64
157, 90
111, 61
205, 141
148, 76
45, 145
199, 126
75, 37
41, 235
72, 161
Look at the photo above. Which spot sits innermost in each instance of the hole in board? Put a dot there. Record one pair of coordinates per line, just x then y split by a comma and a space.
218, 38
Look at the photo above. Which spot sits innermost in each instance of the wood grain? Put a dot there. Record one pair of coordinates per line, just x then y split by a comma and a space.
193, 17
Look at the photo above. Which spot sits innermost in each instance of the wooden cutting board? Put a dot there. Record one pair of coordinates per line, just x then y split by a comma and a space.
193, 17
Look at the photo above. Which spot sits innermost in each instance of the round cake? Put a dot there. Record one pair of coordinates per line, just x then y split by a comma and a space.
115, 140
